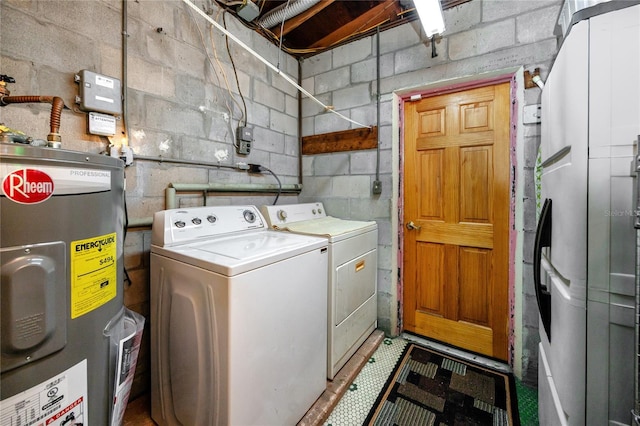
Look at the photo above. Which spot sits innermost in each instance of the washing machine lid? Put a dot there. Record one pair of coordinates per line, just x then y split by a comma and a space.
236, 254
330, 227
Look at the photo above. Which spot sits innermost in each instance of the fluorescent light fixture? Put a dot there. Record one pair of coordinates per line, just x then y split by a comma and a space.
430, 13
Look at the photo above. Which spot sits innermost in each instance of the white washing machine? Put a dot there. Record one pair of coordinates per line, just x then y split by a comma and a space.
352, 274
238, 319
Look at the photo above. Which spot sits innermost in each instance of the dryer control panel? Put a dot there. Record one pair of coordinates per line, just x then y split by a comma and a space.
291, 213
177, 226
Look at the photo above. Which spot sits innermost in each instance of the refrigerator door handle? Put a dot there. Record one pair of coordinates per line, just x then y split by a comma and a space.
543, 239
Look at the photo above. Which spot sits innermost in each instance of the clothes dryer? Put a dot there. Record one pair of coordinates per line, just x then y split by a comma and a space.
238, 319
352, 273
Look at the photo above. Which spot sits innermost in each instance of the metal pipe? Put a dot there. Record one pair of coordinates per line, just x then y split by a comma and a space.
196, 163
170, 198
378, 101
56, 111
236, 187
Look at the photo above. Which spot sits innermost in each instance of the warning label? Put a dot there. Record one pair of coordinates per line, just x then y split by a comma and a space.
93, 273
58, 401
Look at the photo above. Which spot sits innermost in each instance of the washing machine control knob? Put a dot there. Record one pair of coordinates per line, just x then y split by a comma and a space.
196, 221
313, 211
249, 216
212, 219
319, 211
282, 214
179, 224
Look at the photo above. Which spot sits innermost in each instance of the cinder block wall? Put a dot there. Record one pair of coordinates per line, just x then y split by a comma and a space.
481, 36
177, 102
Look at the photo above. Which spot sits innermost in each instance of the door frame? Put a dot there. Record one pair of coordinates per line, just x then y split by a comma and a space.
516, 79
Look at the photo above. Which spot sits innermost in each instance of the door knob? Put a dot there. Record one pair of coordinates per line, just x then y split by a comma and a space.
412, 226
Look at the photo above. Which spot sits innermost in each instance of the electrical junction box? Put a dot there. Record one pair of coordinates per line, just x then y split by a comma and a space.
248, 11
244, 138
102, 124
532, 114
99, 93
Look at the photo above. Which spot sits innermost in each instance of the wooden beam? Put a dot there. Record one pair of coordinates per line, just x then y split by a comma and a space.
346, 140
383, 12
296, 21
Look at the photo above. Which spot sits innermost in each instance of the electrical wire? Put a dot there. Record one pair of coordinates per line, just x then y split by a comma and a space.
272, 67
127, 279
284, 18
263, 168
235, 71
213, 68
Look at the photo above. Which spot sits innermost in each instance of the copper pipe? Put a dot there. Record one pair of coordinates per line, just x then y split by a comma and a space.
56, 110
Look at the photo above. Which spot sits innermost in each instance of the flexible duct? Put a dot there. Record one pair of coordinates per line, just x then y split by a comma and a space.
56, 110
285, 12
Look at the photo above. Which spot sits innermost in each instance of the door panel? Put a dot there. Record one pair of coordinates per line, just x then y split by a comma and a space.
456, 249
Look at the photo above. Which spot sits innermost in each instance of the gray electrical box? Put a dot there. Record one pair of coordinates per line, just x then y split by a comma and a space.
99, 93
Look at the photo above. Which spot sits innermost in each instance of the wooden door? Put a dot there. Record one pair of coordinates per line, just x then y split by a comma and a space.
456, 198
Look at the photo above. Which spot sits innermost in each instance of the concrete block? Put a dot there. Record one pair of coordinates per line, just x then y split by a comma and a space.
351, 186
363, 162
530, 311
46, 42
96, 21
268, 140
150, 78
528, 288
337, 207
218, 127
462, 17
292, 145
384, 233
316, 64
419, 57
365, 114
528, 243
500, 9
150, 143
385, 254
364, 71
285, 86
352, 96
353, 52
267, 95
314, 188
400, 37
169, 116
257, 114
195, 149
327, 122
284, 123
537, 25
307, 165
312, 108
308, 126
283, 165
291, 105
189, 90
335, 79
331, 164
367, 208
482, 40
385, 136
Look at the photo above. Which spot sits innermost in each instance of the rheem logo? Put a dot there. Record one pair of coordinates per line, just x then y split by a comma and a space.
28, 186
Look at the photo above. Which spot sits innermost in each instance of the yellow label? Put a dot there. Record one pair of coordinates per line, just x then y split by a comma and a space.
93, 273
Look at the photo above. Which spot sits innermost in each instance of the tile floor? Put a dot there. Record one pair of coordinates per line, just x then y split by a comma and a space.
353, 407
352, 393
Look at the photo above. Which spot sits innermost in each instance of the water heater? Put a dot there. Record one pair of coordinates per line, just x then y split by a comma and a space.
61, 262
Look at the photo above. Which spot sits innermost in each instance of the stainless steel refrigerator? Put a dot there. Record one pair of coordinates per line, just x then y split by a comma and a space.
585, 251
